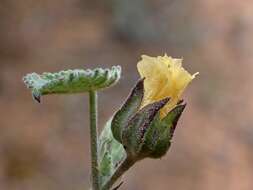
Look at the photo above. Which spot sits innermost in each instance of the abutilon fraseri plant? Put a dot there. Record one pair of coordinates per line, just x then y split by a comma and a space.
144, 125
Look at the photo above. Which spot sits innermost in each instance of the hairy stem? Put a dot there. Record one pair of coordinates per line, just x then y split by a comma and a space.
122, 168
94, 140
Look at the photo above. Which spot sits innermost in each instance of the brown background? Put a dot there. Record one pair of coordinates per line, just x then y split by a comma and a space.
46, 146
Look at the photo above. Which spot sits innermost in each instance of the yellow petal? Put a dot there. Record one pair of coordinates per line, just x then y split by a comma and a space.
164, 77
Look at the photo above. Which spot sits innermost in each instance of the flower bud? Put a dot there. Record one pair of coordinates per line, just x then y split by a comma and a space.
141, 131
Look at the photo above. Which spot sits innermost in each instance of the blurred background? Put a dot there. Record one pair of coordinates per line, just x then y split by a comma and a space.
46, 146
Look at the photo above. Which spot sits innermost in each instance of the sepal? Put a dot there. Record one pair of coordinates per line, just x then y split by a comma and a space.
129, 108
133, 134
159, 135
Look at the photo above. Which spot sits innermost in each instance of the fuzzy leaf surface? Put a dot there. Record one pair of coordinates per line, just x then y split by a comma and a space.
111, 153
71, 81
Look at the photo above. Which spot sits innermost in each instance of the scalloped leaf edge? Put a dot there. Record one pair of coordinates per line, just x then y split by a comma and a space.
71, 81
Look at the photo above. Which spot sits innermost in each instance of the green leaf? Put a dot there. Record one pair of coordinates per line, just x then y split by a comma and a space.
129, 108
71, 81
111, 153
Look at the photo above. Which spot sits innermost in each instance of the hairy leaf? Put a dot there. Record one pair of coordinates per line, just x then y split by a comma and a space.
111, 153
71, 81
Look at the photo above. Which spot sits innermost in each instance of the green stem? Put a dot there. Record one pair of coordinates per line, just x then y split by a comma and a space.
93, 140
122, 168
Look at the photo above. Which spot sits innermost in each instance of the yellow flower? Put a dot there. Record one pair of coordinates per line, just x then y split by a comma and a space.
164, 77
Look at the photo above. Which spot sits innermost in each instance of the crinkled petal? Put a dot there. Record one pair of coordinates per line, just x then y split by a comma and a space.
164, 77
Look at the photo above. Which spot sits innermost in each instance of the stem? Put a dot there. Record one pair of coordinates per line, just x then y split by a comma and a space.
93, 140
122, 168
